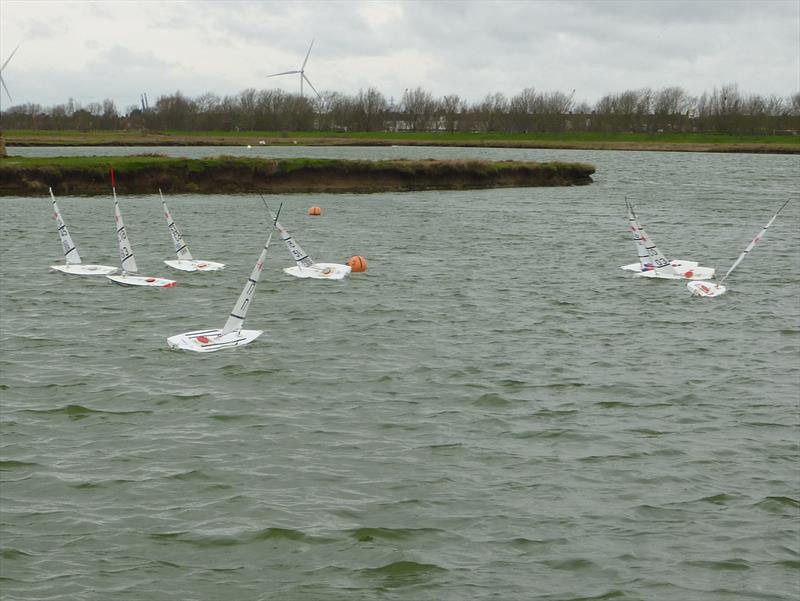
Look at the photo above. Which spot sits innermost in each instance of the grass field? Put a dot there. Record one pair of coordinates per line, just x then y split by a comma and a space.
586, 140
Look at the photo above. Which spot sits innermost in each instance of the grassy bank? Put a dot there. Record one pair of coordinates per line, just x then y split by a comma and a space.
31, 176
576, 140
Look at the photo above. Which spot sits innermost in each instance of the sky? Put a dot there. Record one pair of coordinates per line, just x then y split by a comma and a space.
90, 51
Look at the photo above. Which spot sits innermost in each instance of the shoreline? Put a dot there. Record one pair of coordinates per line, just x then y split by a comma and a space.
332, 142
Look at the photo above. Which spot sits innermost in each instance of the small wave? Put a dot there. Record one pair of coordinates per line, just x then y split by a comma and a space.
661, 514
237, 370
562, 385
778, 504
215, 539
724, 565
405, 569
166, 564
58, 385
720, 499
223, 417
555, 412
11, 553
491, 399
445, 446
615, 594
573, 565
513, 384
189, 475
521, 541
7, 466
76, 412
369, 534
199, 540
166, 535
792, 564
602, 458
614, 405
280, 533
554, 433
190, 396
648, 432
88, 486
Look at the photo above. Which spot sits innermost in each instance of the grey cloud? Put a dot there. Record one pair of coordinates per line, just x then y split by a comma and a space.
467, 48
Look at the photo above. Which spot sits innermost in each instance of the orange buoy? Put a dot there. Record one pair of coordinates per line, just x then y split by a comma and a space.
688, 275
357, 264
315, 211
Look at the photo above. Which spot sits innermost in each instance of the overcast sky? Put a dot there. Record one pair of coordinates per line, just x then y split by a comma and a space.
119, 49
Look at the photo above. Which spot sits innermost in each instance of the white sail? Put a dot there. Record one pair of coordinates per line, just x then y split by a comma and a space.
70, 252
177, 239
654, 260
126, 257
298, 254
236, 319
753, 242
641, 251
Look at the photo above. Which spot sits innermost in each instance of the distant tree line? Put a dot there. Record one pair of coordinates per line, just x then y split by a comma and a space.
671, 109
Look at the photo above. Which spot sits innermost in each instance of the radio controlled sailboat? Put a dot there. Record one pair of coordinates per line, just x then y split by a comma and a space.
130, 275
231, 335
306, 267
73, 264
711, 289
653, 264
185, 261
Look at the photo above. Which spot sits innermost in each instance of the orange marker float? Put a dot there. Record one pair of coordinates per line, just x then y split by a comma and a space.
357, 264
315, 211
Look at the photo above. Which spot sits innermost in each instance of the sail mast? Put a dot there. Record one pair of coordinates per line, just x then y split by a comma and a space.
298, 254
753, 242
126, 257
236, 319
181, 250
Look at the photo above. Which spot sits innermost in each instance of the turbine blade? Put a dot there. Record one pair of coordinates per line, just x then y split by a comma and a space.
283, 73
8, 59
6, 89
307, 53
308, 81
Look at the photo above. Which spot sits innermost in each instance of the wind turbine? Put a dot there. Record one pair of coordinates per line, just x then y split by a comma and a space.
302, 72
2, 81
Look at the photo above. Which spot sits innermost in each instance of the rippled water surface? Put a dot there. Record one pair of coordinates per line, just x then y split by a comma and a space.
494, 410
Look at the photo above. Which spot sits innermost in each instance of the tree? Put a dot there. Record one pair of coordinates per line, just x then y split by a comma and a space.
493, 111
176, 112
671, 109
523, 109
370, 110
452, 107
419, 107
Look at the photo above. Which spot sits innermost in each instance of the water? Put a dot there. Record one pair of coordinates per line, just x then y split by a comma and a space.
494, 410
